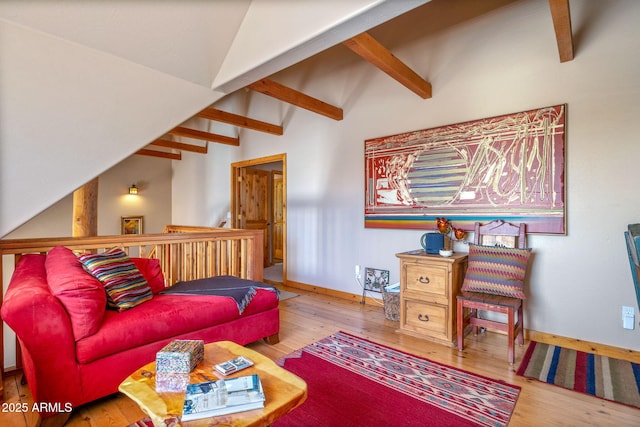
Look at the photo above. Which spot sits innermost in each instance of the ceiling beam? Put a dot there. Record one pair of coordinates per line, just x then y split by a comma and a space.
237, 120
204, 136
174, 145
369, 49
161, 154
561, 15
299, 99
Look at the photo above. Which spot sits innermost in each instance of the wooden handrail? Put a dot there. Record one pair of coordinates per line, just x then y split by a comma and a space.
235, 252
193, 229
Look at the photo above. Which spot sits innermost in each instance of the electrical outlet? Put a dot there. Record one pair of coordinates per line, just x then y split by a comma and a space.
628, 317
357, 271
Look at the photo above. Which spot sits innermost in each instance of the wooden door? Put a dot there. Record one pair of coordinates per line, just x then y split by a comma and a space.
277, 192
254, 210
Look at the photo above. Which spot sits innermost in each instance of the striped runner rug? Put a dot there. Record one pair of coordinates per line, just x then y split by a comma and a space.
611, 379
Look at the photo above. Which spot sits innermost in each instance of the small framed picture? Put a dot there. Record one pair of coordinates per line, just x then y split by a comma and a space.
375, 279
131, 225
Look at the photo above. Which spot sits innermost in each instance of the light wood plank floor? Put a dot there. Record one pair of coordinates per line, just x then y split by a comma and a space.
309, 317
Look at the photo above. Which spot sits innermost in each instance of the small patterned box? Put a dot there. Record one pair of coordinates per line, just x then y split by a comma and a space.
180, 356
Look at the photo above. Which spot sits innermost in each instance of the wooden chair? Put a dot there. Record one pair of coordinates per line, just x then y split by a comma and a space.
496, 233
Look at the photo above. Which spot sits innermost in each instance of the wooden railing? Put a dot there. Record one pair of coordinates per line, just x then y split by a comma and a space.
185, 253
183, 256
193, 229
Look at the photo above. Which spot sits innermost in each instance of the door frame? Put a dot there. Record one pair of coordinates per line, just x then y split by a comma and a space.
235, 195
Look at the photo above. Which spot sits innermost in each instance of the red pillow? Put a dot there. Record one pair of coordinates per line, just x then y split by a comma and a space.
152, 272
81, 294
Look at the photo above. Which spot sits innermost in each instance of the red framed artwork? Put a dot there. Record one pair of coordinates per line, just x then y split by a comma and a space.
507, 167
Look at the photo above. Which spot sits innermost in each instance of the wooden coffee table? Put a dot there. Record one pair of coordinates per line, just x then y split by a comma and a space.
283, 390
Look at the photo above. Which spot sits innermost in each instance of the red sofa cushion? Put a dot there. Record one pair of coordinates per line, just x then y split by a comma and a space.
152, 272
81, 294
164, 317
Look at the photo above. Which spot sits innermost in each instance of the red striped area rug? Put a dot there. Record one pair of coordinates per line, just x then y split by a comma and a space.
355, 382
601, 376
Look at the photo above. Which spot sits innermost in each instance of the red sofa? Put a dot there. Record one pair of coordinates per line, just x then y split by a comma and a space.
75, 350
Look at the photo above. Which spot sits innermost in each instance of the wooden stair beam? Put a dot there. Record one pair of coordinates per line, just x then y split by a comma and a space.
174, 145
237, 120
204, 136
561, 15
371, 50
85, 210
299, 99
161, 154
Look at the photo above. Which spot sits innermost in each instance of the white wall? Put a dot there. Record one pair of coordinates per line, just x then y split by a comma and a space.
69, 112
500, 62
153, 177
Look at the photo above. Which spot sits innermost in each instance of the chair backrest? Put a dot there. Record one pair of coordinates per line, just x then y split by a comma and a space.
500, 233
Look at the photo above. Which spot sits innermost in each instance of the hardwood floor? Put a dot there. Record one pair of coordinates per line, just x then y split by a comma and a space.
310, 317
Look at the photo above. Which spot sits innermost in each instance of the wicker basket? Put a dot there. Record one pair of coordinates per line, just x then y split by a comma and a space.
391, 305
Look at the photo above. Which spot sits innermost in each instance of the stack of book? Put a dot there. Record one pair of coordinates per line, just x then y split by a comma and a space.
221, 397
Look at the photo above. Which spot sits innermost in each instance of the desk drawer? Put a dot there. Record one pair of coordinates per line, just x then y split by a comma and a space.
427, 280
424, 318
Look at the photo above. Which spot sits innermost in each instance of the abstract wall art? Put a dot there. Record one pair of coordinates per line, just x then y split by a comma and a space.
507, 167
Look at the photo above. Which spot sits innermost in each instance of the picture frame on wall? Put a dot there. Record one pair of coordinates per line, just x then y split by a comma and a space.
131, 225
375, 279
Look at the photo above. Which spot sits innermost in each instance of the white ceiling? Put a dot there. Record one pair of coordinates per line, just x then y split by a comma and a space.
187, 39
196, 40
117, 74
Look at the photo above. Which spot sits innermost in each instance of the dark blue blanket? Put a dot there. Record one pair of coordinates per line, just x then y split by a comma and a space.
241, 290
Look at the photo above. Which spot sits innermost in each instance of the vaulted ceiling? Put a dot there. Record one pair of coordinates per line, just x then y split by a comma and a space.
119, 75
150, 77
364, 45
201, 42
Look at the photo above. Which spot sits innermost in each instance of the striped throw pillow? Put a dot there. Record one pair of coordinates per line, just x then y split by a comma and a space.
496, 270
126, 287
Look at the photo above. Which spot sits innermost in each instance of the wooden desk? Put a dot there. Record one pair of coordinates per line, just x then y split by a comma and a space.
283, 390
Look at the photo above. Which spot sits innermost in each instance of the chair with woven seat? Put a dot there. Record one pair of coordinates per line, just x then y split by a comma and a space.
494, 282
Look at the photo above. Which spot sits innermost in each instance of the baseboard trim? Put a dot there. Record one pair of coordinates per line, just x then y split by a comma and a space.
332, 292
543, 337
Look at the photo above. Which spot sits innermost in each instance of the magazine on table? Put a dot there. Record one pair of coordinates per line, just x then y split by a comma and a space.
221, 397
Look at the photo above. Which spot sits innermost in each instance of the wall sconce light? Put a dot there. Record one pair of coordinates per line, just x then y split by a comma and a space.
133, 190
